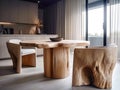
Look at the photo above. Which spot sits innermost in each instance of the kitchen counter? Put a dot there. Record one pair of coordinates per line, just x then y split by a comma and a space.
5, 37
11, 35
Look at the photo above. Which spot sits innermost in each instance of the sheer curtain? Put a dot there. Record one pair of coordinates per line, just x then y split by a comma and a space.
75, 19
115, 23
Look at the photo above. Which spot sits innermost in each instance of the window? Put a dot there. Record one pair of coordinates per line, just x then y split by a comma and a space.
96, 22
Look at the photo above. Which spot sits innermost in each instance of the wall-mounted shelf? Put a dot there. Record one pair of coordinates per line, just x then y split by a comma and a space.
10, 23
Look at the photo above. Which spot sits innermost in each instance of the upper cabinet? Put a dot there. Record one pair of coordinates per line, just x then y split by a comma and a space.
18, 11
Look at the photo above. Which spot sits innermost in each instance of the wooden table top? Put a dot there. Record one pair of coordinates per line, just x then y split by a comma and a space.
50, 44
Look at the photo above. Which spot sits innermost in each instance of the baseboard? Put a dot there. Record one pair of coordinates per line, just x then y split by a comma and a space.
5, 58
10, 58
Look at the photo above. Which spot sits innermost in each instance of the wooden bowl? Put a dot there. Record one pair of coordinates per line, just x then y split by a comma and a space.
56, 39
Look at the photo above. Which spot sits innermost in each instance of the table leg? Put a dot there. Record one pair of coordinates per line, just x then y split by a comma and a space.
56, 62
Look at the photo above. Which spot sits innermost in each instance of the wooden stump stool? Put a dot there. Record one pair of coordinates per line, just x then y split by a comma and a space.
94, 66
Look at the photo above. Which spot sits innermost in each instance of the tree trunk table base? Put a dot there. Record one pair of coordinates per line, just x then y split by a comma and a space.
56, 62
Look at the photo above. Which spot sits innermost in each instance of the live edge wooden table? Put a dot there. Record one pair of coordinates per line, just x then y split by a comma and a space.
56, 55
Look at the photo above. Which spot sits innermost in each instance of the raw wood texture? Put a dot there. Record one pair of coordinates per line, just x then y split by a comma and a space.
56, 62
29, 60
14, 50
56, 55
49, 44
94, 66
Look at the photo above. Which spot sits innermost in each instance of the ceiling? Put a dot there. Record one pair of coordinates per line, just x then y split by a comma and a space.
43, 3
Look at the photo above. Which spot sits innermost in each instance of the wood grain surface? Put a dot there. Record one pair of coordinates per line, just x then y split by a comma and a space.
94, 66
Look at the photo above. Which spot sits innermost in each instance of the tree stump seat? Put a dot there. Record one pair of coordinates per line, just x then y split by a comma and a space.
94, 66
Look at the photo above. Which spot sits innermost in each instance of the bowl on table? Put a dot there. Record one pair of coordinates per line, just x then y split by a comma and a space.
56, 39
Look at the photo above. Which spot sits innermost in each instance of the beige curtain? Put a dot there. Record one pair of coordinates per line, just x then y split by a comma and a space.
115, 23
75, 19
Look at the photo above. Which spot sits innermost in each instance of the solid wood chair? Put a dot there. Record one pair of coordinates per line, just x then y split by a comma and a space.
21, 56
94, 66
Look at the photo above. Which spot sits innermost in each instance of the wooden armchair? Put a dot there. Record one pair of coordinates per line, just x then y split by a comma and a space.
20, 56
94, 66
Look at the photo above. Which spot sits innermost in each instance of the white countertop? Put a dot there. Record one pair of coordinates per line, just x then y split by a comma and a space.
36, 35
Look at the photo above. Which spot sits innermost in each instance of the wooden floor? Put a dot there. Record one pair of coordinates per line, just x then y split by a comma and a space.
32, 78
